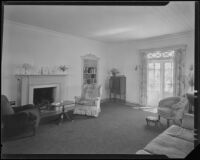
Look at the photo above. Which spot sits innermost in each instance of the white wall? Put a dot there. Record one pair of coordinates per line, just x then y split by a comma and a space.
126, 57
41, 47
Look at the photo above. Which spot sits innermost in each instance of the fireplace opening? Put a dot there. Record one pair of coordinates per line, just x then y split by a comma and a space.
43, 97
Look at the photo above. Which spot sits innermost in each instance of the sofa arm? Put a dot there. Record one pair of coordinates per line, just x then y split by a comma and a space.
188, 121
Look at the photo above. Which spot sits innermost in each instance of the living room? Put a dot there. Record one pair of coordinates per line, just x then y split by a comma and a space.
38, 39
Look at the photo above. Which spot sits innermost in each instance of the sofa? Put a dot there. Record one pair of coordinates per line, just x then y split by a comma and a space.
17, 120
175, 142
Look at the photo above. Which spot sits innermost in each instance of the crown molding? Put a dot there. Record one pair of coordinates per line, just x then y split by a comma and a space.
168, 36
65, 35
90, 56
45, 30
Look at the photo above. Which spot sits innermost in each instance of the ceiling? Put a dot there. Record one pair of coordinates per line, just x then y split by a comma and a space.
107, 23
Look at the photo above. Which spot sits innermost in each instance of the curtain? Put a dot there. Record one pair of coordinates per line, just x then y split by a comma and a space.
179, 72
143, 79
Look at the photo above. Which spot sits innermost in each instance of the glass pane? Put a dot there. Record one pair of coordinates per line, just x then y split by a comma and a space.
157, 66
154, 84
151, 65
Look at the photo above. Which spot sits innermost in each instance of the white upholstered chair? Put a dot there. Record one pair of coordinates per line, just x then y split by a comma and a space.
89, 102
172, 108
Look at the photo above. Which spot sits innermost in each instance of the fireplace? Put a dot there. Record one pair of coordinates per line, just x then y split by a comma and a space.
36, 89
44, 95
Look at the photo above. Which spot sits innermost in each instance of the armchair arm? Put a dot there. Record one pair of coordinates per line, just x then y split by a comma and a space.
97, 100
168, 102
181, 104
77, 99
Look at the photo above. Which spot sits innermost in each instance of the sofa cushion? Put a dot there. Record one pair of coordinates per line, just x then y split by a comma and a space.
170, 146
180, 132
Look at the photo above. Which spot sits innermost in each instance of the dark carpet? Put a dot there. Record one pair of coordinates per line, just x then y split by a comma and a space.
119, 129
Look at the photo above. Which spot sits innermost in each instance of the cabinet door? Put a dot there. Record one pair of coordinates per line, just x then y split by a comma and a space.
123, 85
117, 85
111, 84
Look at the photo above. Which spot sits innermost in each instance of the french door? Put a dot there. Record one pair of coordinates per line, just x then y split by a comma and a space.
160, 79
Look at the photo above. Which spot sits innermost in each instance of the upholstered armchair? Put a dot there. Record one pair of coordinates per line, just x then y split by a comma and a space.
172, 108
89, 102
16, 120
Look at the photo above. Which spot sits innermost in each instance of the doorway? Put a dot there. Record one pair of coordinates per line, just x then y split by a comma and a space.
160, 79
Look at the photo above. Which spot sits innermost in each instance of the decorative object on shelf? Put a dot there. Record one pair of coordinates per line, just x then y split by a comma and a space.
53, 70
63, 68
26, 68
114, 71
44, 70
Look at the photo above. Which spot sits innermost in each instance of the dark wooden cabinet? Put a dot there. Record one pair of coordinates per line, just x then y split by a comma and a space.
117, 85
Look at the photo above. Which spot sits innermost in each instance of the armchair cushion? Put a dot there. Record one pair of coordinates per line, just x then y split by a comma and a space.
86, 102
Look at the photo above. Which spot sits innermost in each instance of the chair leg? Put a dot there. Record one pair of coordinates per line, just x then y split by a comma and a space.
167, 122
159, 117
180, 121
34, 130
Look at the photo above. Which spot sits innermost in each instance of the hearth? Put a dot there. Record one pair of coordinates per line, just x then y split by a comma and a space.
43, 97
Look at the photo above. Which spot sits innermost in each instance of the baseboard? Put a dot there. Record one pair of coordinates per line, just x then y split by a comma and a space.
133, 104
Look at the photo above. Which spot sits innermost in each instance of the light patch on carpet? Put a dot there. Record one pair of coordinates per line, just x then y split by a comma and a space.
148, 109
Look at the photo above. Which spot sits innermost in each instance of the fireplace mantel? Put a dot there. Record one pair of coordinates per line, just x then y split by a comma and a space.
35, 75
27, 83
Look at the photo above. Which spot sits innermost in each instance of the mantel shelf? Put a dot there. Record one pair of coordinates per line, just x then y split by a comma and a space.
41, 75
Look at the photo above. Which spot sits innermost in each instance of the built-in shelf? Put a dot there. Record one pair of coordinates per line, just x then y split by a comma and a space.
90, 69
